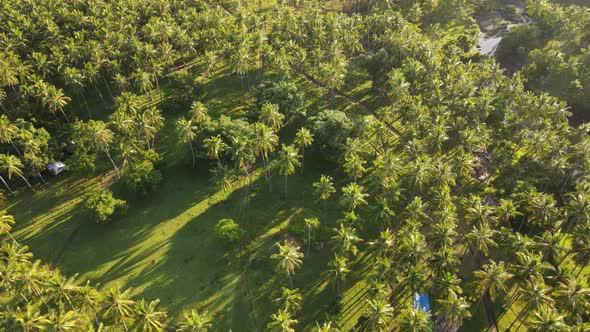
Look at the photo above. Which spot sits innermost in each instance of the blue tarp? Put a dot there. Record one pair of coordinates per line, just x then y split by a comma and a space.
421, 301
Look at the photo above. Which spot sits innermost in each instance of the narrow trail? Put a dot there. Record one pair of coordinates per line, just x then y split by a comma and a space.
65, 246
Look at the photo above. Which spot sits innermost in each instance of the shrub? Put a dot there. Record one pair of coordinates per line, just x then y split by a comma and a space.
142, 178
102, 206
330, 129
283, 93
228, 230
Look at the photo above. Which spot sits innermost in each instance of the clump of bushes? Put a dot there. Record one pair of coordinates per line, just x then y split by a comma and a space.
142, 178
229, 231
102, 206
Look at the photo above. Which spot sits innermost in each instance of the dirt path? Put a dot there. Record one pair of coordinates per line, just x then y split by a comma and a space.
65, 246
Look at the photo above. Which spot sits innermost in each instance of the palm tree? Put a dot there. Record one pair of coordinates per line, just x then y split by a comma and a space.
215, 147
480, 238
414, 320
547, 319
143, 81
290, 300
346, 239
30, 319
379, 314
101, 137
289, 257
303, 139
282, 321
339, 270
61, 320
266, 142
325, 327
90, 297
288, 160
198, 112
353, 196
572, 293
6, 222
223, 177
147, 318
492, 278
535, 294
354, 167
55, 100
196, 322
454, 308
310, 224
119, 306
324, 188
11, 165
187, 133
7, 132
270, 116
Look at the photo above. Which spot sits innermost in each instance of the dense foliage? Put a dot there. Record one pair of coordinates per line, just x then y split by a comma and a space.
448, 177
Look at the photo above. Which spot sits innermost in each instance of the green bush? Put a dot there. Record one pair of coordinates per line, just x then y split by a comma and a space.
142, 178
285, 94
330, 129
101, 206
228, 230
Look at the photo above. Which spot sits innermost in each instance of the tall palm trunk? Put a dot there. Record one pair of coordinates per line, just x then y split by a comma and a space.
65, 116
15, 148
6, 184
28, 184
106, 150
308, 239
285, 186
190, 144
108, 87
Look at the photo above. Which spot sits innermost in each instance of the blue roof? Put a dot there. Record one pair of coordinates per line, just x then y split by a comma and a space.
421, 301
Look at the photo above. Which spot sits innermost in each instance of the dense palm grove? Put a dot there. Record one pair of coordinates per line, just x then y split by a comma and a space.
455, 179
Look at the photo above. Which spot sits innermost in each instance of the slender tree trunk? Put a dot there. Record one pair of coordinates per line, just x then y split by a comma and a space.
65, 116
13, 239
269, 175
302, 158
98, 91
190, 144
6, 184
106, 150
15, 148
108, 87
86, 105
285, 187
40, 176
158, 86
308, 239
291, 281
28, 184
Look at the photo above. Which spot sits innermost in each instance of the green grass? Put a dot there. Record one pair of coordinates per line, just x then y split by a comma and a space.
164, 247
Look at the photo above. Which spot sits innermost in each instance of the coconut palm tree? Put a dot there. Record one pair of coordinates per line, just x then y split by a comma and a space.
338, 268
324, 188
198, 112
270, 116
346, 239
379, 314
353, 196
573, 293
289, 258
215, 147
147, 317
290, 300
196, 322
547, 319
119, 307
8, 131
414, 320
11, 165
6, 223
30, 319
310, 224
266, 142
101, 138
288, 160
61, 320
223, 177
325, 327
454, 308
354, 167
143, 81
303, 139
282, 322
492, 278
187, 134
